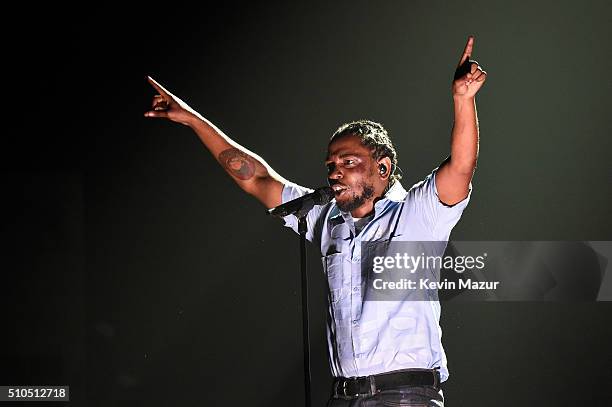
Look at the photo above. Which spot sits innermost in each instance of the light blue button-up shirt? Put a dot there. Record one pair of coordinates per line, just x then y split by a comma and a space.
372, 337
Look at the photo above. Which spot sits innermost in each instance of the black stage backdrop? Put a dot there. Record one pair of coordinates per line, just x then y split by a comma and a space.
135, 270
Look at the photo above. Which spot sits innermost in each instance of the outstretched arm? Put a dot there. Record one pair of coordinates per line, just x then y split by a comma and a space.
454, 176
247, 169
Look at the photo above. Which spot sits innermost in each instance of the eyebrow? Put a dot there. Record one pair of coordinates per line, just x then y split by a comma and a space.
343, 155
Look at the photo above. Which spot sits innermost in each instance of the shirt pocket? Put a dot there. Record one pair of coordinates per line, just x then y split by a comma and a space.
333, 266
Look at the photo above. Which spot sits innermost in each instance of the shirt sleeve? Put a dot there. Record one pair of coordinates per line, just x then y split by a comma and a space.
293, 191
438, 217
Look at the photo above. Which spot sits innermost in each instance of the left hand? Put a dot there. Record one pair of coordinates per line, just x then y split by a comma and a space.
469, 76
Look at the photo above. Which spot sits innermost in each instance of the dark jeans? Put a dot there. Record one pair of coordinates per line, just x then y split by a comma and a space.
413, 396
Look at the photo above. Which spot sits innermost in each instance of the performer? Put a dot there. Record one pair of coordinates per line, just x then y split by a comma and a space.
392, 352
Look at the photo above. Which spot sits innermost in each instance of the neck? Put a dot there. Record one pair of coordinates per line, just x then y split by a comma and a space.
368, 207
364, 210
387, 187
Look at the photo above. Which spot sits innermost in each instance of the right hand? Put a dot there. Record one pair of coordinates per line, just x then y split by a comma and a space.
168, 106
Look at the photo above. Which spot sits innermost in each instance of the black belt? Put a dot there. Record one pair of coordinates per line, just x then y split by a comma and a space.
370, 385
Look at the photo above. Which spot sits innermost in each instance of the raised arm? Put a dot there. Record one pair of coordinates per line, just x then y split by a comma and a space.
454, 176
247, 169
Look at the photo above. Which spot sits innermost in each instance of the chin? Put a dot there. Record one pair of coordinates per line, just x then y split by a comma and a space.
348, 205
349, 201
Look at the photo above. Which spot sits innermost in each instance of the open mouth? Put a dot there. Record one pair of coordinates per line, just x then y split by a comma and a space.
339, 189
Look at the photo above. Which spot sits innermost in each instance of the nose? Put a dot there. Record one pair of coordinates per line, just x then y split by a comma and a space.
335, 173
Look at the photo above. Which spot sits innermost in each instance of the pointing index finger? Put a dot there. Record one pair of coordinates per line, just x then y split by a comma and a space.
162, 91
467, 52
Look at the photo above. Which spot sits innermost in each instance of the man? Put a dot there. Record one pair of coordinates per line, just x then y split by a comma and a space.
390, 352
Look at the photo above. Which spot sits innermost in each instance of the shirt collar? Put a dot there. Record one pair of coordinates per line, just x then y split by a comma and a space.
396, 193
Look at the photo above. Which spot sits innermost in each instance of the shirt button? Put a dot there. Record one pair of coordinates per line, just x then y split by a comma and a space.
355, 289
356, 258
355, 322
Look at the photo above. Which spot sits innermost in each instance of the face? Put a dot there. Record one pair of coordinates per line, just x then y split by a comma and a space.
351, 173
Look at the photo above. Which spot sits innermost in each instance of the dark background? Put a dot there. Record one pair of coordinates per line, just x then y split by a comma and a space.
136, 272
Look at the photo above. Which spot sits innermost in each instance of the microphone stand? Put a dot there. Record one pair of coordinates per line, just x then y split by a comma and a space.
302, 229
305, 204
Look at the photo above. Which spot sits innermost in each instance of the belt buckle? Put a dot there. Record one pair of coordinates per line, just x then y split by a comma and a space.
344, 383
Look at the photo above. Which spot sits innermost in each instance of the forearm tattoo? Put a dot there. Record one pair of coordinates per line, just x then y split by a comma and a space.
237, 163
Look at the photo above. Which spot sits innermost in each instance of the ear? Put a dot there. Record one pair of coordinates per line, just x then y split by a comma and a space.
384, 168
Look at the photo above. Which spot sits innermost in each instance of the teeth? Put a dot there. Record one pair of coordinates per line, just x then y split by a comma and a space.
337, 188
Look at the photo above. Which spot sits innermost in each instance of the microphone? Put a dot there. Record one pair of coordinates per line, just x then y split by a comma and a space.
303, 204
